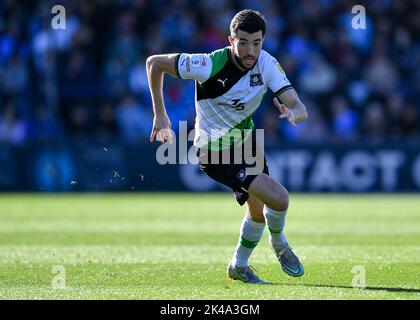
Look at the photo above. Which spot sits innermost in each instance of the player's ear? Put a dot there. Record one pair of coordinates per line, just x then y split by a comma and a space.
231, 40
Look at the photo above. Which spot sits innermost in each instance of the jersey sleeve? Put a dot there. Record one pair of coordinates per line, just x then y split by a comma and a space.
277, 80
195, 66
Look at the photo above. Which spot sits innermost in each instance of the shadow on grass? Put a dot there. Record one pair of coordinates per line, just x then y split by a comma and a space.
396, 289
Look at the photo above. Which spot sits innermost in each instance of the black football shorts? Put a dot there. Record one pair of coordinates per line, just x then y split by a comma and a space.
229, 166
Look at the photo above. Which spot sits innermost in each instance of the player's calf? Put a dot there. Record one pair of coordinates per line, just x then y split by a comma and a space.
269, 192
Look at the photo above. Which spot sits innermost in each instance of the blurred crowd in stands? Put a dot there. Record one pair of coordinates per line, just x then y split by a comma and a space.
89, 80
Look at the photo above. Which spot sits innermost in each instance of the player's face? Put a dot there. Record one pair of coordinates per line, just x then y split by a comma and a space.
247, 47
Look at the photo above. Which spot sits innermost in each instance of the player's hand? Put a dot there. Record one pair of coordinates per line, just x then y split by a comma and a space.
161, 129
285, 113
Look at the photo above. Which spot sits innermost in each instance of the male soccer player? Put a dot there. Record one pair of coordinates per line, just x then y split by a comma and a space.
230, 84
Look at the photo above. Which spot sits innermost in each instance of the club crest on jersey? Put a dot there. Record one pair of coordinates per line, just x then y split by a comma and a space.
255, 80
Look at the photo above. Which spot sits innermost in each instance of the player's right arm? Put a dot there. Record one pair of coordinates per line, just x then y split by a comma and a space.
196, 66
156, 67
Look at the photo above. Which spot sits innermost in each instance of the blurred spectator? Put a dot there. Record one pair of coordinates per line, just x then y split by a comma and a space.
381, 74
12, 127
298, 44
116, 76
48, 128
410, 120
394, 110
374, 121
271, 130
134, 121
316, 130
358, 92
318, 76
77, 77
107, 127
126, 44
344, 120
14, 77
79, 120
138, 77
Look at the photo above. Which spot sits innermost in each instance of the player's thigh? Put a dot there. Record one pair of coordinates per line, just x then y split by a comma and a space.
270, 192
255, 208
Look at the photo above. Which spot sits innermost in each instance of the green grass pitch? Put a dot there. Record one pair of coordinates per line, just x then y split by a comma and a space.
177, 246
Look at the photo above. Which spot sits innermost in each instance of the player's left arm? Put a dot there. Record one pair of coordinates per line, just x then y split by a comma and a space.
290, 107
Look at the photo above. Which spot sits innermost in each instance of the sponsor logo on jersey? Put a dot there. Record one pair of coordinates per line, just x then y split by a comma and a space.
222, 81
280, 68
186, 62
255, 80
237, 104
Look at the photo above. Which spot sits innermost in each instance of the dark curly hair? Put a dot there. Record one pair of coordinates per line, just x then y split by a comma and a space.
250, 21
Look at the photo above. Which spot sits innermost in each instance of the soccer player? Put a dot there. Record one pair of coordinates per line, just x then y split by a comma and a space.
230, 84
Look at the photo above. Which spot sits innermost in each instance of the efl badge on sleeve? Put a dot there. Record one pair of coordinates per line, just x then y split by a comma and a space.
280, 68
